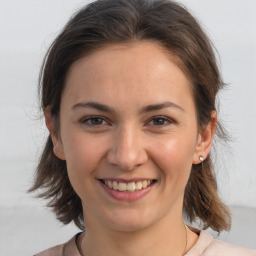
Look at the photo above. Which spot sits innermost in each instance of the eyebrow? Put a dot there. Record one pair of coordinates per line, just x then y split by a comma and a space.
145, 109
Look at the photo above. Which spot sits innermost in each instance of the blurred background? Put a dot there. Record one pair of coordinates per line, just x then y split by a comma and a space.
26, 30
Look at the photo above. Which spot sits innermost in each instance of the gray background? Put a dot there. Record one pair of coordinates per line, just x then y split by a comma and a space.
27, 28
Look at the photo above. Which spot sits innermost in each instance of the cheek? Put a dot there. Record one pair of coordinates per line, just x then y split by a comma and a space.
83, 155
174, 157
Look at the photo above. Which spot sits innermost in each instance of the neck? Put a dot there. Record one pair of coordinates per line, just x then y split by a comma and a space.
165, 239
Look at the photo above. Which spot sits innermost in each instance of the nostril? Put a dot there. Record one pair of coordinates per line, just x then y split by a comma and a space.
127, 157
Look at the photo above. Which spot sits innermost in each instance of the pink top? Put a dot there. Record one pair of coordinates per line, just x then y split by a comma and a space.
206, 245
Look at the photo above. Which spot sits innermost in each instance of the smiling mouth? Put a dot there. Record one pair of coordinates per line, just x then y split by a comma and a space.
129, 186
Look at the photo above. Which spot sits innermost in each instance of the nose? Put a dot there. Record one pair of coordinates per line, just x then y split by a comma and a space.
127, 150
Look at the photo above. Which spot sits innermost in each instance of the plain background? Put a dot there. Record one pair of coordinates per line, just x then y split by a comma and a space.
27, 28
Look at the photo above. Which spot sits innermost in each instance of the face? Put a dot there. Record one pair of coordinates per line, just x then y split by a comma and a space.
129, 135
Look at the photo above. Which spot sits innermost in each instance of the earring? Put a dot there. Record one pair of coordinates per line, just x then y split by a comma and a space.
201, 158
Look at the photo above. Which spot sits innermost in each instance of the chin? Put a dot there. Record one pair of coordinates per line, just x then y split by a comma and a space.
129, 222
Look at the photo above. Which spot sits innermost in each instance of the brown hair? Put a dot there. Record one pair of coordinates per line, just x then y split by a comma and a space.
122, 21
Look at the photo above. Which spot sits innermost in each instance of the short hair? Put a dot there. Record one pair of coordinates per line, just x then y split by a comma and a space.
106, 22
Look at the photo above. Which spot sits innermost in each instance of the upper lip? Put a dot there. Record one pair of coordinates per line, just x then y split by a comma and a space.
127, 180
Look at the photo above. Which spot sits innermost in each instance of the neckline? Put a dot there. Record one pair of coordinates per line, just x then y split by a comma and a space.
203, 242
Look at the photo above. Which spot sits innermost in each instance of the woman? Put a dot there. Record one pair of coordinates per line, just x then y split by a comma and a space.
128, 91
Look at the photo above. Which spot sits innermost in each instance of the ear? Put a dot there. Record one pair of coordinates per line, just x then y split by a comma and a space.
205, 139
56, 140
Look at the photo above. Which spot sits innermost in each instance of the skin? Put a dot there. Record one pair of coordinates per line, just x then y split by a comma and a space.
161, 144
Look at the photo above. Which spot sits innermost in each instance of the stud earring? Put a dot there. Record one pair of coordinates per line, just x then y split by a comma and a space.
201, 158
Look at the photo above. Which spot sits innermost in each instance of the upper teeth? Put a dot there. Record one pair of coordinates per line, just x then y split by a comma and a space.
130, 186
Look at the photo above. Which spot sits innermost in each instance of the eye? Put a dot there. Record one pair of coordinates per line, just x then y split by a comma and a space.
94, 121
160, 121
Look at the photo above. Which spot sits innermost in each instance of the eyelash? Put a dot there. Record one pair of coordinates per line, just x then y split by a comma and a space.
165, 119
90, 118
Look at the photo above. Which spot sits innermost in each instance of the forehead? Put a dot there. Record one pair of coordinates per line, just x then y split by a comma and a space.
142, 70
149, 54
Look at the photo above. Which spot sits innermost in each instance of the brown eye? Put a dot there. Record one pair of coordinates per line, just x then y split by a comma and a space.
94, 121
160, 121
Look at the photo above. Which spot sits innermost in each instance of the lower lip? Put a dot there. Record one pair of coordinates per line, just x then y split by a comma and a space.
127, 196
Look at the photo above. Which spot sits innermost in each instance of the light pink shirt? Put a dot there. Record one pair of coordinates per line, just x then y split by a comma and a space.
206, 245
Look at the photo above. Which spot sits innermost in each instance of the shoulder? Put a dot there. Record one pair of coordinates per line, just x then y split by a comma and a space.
66, 249
218, 247
206, 245
54, 251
